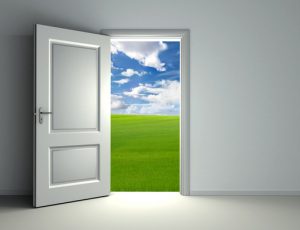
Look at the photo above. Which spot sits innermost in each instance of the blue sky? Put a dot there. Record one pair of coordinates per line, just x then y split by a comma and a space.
145, 77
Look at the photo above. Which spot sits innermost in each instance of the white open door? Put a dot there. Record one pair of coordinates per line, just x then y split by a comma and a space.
72, 116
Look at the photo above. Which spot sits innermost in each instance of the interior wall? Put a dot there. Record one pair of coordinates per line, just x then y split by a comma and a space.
245, 85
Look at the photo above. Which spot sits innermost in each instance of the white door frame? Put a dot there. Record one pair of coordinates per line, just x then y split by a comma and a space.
184, 36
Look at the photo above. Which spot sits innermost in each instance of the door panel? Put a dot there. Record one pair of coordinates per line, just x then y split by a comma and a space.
74, 164
75, 86
72, 125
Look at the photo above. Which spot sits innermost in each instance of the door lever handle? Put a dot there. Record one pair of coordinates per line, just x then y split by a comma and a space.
41, 113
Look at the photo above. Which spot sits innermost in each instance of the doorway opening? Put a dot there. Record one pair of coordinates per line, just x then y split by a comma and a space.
147, 126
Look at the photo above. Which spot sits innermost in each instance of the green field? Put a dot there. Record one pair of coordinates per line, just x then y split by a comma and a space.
145, 153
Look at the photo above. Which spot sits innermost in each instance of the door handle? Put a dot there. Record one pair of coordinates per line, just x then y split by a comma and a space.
41, 113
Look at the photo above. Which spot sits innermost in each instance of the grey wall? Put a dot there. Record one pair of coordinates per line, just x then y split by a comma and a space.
245, 85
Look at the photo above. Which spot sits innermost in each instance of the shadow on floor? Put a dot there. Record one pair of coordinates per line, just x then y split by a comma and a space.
15, 202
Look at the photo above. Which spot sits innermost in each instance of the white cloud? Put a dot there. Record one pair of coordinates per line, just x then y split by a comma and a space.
115, 67
142, 90
122, 81
169, 93
152, 109
161, 98
146, 53
131, 72
113, 48
117, 102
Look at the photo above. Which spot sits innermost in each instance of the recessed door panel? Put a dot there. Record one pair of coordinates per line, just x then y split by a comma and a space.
75, 83
76, 164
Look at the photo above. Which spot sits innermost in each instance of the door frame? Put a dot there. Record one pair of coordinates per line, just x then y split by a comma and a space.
184, 36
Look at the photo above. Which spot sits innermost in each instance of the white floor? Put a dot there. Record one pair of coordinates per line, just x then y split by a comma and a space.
155, 211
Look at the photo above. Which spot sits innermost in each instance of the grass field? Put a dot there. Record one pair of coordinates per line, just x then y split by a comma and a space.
145, 153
